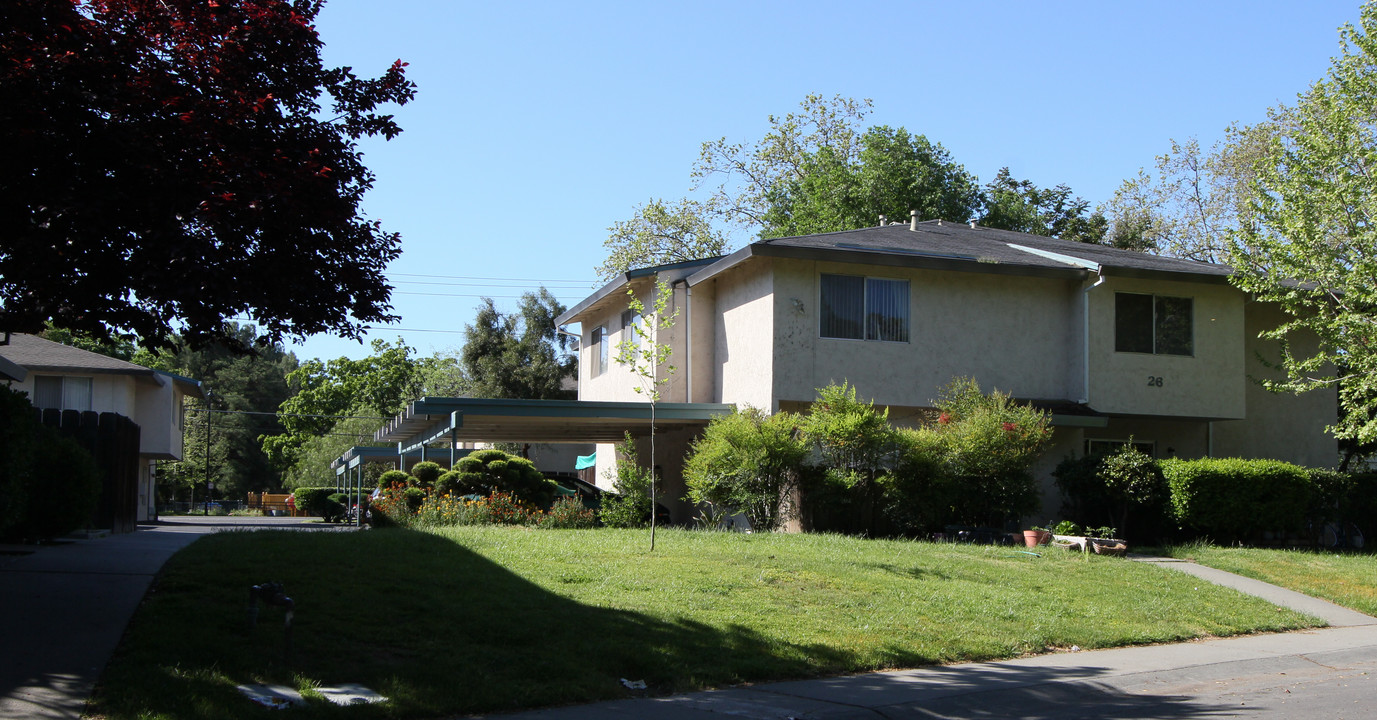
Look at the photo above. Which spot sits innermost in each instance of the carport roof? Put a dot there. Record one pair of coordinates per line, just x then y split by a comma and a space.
429, 419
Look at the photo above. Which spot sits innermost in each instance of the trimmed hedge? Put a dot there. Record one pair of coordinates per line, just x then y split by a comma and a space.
317, 501
1231, 499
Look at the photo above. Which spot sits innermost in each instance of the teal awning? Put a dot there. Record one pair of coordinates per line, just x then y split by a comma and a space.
586, 461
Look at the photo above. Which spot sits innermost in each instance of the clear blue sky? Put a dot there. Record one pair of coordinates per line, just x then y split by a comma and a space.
538, 125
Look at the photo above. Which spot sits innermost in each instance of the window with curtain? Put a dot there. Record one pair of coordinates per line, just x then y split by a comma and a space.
62, 392
864, 308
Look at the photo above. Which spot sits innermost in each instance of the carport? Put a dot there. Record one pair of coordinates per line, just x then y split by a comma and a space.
449, 421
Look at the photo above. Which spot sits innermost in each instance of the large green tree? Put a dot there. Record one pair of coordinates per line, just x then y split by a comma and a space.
660, 233
170, 164
1022, 206
244, 389
891, 173
374, 388
1191, 200
1309, 243
522, 354
821, 170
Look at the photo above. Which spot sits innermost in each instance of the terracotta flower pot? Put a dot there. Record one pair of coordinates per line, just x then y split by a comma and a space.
1034, 538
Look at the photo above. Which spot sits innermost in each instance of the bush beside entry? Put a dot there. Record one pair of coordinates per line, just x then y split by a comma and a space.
318, 501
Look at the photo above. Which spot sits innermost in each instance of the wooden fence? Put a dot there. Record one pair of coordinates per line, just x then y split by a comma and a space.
272, 503
113, 440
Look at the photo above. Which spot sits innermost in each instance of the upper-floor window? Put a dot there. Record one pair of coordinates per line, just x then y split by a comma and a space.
1155, 324
630, 321
863, 308
62, 392
598, 343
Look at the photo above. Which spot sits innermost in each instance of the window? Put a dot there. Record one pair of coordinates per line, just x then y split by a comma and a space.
1154, 324
630, 321
599, 346
62, 392
1105, 447
864, 308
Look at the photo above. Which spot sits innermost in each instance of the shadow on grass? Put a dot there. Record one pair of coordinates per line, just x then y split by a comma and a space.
432, 625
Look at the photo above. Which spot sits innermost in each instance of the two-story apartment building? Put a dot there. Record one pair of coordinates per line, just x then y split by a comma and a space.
1117, 344
61, 377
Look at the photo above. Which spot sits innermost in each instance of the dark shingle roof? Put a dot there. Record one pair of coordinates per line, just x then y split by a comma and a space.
937, 245
34, 353
958, 246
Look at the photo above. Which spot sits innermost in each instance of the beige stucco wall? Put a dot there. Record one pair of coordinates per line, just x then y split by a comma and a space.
744, 335
1209, 384
158, 411
1010, 333
700, 326
1283, 426
109, 393
619, 382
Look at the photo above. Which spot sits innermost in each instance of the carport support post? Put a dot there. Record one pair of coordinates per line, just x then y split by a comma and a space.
453, 437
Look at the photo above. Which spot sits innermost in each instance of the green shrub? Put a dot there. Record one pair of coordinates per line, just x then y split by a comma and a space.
568, 513
484, 472
18, 443
1362, 503
1114, 486
413, 497
392, 479
1067, 527
318, 501
426, 473
748, 462
1231, 499
918, 492
629, 505
449, 484
65, 499
991, 444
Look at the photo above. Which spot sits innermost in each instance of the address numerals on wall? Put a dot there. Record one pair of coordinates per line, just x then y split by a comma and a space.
1154, 381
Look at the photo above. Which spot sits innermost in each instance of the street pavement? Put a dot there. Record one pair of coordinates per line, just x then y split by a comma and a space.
67, 605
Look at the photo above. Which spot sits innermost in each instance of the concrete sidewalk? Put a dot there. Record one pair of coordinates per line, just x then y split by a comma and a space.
65, 607
1312, 674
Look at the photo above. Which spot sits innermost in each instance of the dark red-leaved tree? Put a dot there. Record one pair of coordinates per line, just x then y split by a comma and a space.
168, 164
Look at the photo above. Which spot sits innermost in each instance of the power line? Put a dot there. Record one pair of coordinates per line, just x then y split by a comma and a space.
472, 284
474, 277
480, 295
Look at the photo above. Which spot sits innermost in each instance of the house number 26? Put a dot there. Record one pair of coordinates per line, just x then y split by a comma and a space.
1154, 381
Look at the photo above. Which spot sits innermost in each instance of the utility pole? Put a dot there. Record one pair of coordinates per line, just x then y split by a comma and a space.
207, 509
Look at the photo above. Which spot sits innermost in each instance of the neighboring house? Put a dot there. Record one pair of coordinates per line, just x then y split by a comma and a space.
62, 377
1116, 344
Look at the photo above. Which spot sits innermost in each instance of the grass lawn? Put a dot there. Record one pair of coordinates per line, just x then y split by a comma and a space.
480, 619
1348, 579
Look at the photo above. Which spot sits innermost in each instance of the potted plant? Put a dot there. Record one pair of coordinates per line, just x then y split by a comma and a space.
1103, 541
1069, 535
1037, 536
